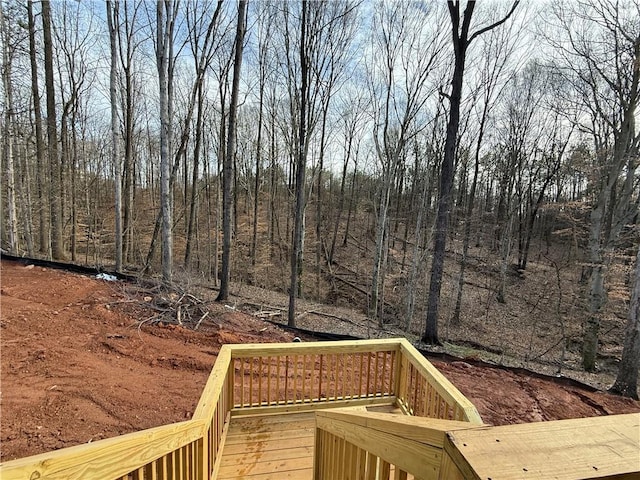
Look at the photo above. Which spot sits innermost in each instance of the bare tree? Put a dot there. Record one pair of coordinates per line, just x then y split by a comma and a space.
166, 12
462, 38
55, 197
37, 113
8, 136
227, 178
321, 26
112, 22
301, 164
202, 39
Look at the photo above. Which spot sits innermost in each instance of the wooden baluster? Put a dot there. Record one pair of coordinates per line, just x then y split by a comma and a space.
376, 377
277, 379
286, 379
383, 381
269, 382
399, 474
304, 379
320, 379
384, 470
250, 368
368, 373
260, 375
361, 464
372, 467
344, 376
294, 396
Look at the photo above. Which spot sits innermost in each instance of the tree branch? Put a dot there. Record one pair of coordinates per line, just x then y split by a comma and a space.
496, 24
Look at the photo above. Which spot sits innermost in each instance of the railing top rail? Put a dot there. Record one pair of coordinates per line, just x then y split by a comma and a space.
96, 460
302, 348
214, 386
426, 430
445, 388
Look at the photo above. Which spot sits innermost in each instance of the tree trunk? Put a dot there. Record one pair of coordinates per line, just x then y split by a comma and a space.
417, 254
57, 245
8, 151
227, 176
256, 186
461, 41
447, 172
35, 93
165, 38
193, 204
343, 180
301, 167
112, 22
626, 383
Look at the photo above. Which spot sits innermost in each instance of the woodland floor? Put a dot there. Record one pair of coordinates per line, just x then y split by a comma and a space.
84, 359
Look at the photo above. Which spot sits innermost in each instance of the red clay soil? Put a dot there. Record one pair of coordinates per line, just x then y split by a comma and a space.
78, 366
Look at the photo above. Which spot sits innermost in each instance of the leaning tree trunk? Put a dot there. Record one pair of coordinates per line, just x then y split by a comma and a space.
626, 383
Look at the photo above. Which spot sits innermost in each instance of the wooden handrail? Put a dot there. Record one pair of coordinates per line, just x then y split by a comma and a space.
424, 391
109, 458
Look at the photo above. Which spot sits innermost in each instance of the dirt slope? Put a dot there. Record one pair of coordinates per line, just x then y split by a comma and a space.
78, 367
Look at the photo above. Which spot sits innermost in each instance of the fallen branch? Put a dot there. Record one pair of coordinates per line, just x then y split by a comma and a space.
267, 314
201, 319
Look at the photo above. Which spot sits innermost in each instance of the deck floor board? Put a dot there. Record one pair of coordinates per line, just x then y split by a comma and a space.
269, 447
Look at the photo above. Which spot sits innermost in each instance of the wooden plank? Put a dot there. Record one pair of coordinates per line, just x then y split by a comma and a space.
313, 406
449, 470
289, 442
335, 347
586, 448
430, 431
269, 454
302, 474
254, 423
262, 437
260, 448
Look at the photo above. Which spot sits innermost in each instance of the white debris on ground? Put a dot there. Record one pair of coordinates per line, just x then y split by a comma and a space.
106, 277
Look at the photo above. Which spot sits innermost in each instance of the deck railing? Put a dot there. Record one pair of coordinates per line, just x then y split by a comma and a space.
253, 379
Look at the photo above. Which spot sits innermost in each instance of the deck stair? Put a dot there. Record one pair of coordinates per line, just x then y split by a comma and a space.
370, 410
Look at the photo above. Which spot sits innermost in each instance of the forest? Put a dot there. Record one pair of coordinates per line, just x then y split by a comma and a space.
378, 154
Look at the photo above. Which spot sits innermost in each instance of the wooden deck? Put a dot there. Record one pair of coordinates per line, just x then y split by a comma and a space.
267, 409
598, 447
269, 447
